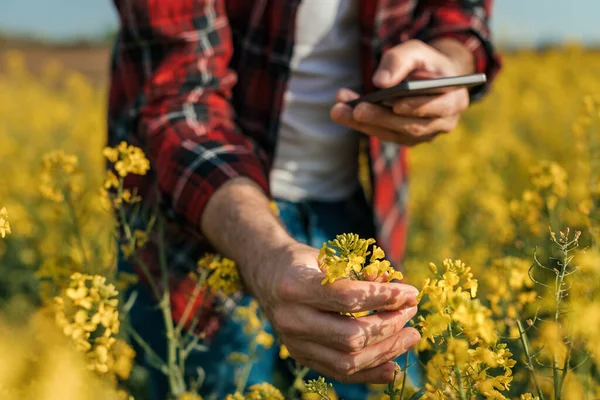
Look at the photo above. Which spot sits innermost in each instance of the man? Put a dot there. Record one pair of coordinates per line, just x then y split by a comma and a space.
236, 102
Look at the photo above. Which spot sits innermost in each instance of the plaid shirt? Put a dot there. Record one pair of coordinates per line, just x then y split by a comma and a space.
199, 84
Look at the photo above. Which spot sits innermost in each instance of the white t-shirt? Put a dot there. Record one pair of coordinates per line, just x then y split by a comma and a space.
316, 158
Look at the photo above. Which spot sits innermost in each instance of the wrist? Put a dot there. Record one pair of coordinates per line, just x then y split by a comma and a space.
240, 224
460, 56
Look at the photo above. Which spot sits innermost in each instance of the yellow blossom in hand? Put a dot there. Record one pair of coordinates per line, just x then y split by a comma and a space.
346, 257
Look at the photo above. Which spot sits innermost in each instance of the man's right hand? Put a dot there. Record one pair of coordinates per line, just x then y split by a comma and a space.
285, 278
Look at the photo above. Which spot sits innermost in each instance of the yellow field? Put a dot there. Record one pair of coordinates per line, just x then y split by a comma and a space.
524, 162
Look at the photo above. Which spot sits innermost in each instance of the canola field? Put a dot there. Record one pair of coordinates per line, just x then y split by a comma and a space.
504, 244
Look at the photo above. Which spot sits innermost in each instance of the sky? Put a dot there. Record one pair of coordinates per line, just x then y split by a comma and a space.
514, 21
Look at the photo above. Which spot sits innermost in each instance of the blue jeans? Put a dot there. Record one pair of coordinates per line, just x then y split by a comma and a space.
309, 222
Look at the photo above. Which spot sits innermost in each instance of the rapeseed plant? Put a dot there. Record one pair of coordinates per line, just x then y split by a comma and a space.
511, 326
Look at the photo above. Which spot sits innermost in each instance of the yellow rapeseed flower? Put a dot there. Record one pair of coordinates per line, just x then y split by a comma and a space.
263, 391
346, 257
127, 159
4, 225
87, 313
283, 352
60, 175
224, 276
189, 396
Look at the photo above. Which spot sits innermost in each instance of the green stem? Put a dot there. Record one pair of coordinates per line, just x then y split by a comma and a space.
76, 227
405, 370
298, 379
245, 372
391, 390
153, 357
188, 308
566, 367
190, 331
461, 389
524, 342
138, 261
176, 381
558, 292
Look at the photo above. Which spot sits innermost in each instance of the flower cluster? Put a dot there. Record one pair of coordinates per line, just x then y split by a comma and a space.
318, 387
528, 210
468, 359
450, 299
4, 225
87, 314
349, 256
253, 325
465, 370
38, 363
512, 291
224, 276
59, 177
550, 179
262, 391
127, 159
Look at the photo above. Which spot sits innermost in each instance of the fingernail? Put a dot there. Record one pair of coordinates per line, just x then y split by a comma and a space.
412, 291
403, 108
341, 112
381, 77
363, 112
346, 95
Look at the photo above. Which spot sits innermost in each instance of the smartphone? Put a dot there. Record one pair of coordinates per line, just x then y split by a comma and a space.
420, 87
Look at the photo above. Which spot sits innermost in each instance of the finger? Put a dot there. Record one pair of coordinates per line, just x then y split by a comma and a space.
342, 114
345, 364
344, 95
383, 117
397, 63
347, 295
381, 374
445, 105
338, 331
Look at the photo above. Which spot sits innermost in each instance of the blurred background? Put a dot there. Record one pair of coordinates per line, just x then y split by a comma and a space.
37, 24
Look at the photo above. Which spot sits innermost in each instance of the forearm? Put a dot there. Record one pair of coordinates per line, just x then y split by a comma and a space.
239, 222
457, 52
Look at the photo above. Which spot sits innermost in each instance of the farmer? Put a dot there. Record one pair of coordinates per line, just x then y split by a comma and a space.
239, 102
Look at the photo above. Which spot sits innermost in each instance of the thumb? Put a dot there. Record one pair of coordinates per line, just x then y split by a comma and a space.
398, 62
392, 70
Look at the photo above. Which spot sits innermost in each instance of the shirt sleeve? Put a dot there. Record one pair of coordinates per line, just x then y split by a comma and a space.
172, 61
468, 22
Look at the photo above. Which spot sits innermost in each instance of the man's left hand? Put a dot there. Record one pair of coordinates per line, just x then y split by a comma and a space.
417, 119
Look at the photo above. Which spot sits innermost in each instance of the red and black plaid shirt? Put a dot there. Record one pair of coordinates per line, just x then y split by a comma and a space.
199, 84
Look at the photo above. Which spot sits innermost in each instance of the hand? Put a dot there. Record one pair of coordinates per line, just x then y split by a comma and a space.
411, 120
306, 316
